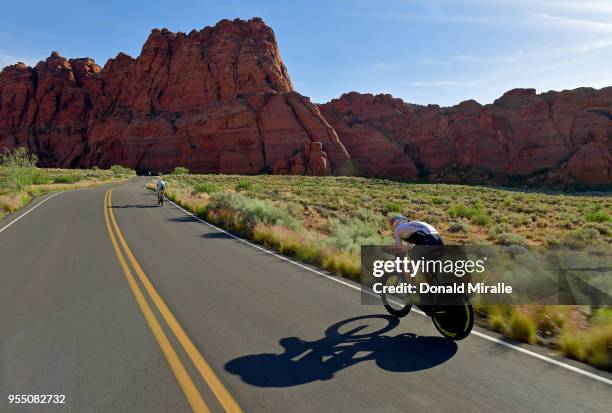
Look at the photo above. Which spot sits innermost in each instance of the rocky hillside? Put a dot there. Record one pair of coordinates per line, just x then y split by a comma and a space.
215, 100
221, 100
554, 138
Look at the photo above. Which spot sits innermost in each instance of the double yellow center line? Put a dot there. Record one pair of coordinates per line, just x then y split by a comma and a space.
195, 399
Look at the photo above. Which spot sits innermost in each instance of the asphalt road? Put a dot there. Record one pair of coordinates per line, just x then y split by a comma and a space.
197, 320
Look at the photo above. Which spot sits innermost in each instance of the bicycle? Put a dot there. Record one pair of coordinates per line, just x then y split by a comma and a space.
452, 316
160, 198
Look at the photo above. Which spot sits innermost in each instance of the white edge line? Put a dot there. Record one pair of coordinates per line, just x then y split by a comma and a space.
477, 333
30, 210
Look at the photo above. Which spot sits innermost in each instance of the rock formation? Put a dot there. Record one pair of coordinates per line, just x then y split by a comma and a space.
554, 138
215, 100
221, 100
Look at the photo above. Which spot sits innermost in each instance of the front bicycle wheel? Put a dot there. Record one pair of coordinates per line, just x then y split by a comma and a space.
395, 304
454, 317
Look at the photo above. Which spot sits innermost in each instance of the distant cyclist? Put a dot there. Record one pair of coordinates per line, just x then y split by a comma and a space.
160, 189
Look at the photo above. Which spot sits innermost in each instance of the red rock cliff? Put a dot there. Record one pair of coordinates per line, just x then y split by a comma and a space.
220, 100
215, 100
555, 138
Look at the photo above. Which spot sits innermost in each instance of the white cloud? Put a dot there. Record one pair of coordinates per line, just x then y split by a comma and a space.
491, 59
574, 23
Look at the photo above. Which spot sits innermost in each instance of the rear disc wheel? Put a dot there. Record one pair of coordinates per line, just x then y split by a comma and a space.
453, 318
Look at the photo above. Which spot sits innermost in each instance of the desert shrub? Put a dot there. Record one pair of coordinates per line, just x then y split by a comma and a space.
18, 158
18, 179
250, 212
599, 345
180, 170
458, 226
367, 215
603, 314
593, 345
437, 200
481, 219
597, 216
66, 179
603, 229
41, 178
18, 169
257, 211
121, 170
392, 206
551, 240
497, 322
11, 203
224, 200
244, 185
580, 238
460, 211
573, 345
350, 236
343, 263
501, 228
510, 239
206, 187
522, 327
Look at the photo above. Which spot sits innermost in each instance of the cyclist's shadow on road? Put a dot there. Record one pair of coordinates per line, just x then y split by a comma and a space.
345, 344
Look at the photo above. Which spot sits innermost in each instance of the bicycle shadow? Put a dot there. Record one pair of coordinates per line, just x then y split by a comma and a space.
304, 362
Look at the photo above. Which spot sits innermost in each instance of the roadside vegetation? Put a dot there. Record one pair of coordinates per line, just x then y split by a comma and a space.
324, 221
21, 180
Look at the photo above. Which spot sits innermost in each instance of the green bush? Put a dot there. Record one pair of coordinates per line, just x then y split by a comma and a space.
18, 158
121, 170
393, 206
551, 240
510, 239
458, 226
573, 345
256, 211
501, 228
180, 170
252, 211
41, 178
497, 323
66, 179
351, 235
244, 185
19, 168
481, 219
597, 216
206, 187
603, 229
224, 200
460, 211
522, 327
580, 238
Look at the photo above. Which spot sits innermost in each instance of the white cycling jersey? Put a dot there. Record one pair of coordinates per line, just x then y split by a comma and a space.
161, 185
406, 229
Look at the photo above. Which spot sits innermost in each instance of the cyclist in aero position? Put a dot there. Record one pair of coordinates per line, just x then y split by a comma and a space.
428, 245
160, 189
413, 232
453, 318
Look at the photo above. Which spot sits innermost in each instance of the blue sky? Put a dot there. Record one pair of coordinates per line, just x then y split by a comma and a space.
421, 51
